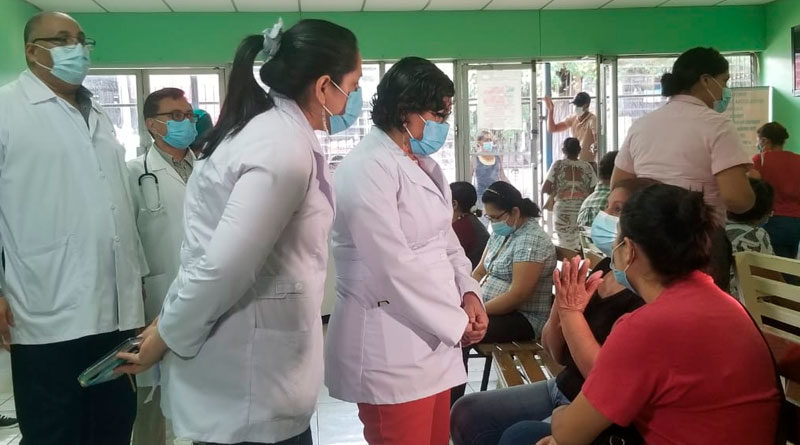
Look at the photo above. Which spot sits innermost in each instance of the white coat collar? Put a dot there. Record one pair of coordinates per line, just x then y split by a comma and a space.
428, 174
37, 91
156, 162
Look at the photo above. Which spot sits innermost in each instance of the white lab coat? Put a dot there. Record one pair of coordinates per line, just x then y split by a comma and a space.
395, 331
161, 231
73, 260
242, 319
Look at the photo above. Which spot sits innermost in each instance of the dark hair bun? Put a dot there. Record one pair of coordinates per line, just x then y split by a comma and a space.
505, 197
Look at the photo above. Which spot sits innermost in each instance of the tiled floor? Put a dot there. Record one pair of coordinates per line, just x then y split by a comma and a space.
335, 422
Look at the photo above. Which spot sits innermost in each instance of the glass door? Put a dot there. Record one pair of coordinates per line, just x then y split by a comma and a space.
502, 131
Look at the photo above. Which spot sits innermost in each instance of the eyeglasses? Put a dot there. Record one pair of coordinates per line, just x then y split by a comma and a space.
68, 41
495, 218
180, 115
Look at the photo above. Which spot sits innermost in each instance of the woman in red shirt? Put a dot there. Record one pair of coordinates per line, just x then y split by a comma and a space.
781, 169
687, 368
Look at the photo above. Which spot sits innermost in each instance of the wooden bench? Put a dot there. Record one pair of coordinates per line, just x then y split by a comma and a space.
520, 363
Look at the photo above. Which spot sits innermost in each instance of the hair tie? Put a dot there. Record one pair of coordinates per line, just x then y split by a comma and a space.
272, 39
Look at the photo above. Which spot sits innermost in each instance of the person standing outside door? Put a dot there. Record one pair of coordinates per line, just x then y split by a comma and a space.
582, 125
158, 182
71, 282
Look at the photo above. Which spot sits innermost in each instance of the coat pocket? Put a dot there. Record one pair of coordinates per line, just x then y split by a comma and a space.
282, 304
42, 272
286, 374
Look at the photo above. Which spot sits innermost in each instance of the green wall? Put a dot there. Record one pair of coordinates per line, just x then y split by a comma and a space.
13, 15
130, 39
777, 65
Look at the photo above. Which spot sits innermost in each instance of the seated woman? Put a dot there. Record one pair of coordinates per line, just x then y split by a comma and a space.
515, 271
469, 229
568, 183
690, 366
574, 340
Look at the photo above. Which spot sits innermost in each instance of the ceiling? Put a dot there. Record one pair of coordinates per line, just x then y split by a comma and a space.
361, 5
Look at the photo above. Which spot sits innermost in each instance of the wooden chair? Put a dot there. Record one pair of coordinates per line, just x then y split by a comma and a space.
520, 363
775, 305
563, 252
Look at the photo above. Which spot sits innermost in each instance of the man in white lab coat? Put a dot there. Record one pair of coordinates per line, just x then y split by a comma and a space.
158, 181
71, 279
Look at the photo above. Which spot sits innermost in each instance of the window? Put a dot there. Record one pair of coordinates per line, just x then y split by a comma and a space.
639, 85
202, 90
117, 93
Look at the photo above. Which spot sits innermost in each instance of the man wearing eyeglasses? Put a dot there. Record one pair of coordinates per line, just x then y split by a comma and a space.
71, 276
158, 180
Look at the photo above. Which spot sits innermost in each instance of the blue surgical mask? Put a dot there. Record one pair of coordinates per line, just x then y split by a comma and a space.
180, 134
722, 104
352, 110
487, 146
604, 232
434, 136
70, 63
503, 228
621, 275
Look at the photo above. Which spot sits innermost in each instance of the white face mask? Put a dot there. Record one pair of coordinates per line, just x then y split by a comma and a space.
579, 110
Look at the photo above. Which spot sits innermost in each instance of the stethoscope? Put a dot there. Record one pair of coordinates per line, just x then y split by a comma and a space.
152, 194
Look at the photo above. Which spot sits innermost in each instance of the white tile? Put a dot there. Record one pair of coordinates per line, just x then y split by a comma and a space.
330, 5
203, 6
339, 424
67, 5
576, 4
8, 405
634, 3
517, 4
267, 5
456, 5
394, 5
133, 6
7, 435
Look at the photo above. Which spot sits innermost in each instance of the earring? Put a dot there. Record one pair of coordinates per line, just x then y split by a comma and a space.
325, 123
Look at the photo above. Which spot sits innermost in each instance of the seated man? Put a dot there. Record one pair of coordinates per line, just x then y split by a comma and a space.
598, 200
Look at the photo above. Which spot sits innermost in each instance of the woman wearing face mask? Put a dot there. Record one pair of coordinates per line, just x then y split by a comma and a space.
405, 298
689, 143
668, 368
515, 271
572, 338
240, 325
486, 166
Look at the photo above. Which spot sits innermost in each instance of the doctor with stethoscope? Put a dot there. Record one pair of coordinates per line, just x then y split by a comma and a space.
158, 182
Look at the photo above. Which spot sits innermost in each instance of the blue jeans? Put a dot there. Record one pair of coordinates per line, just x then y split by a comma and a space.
784, 233
482, 418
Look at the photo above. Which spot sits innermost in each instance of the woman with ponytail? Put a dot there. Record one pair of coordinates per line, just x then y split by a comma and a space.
516, 270
689, 143
240, 330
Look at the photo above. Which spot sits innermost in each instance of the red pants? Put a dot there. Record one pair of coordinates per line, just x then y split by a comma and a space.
419, 422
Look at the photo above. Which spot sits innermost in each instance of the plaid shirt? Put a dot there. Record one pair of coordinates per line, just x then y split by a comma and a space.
528, 243
593, 204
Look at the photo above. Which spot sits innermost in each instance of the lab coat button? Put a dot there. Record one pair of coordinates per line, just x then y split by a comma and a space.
298, 287
113, 207
116, 239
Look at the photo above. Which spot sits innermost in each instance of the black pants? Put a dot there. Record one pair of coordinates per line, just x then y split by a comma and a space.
502, 329
303, 439
53, 409
721, 259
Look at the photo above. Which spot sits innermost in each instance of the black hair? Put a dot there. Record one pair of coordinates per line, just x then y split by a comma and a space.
153, 100
505, 197
571, 147
673, 226
605, 168
775, 132
689, 67
633, 185
765, 197
412, 85
308, 50
485, 135
465, 196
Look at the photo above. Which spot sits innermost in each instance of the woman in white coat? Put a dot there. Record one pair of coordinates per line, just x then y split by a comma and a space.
406, 302
241, 325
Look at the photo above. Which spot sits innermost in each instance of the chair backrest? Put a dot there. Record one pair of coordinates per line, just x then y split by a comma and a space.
774, 304
563, 252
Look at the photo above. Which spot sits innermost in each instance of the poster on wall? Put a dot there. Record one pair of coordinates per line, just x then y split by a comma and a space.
750, 108
499, 100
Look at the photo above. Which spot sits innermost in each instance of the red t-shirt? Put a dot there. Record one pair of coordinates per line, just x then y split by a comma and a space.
782, 170
689, 368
